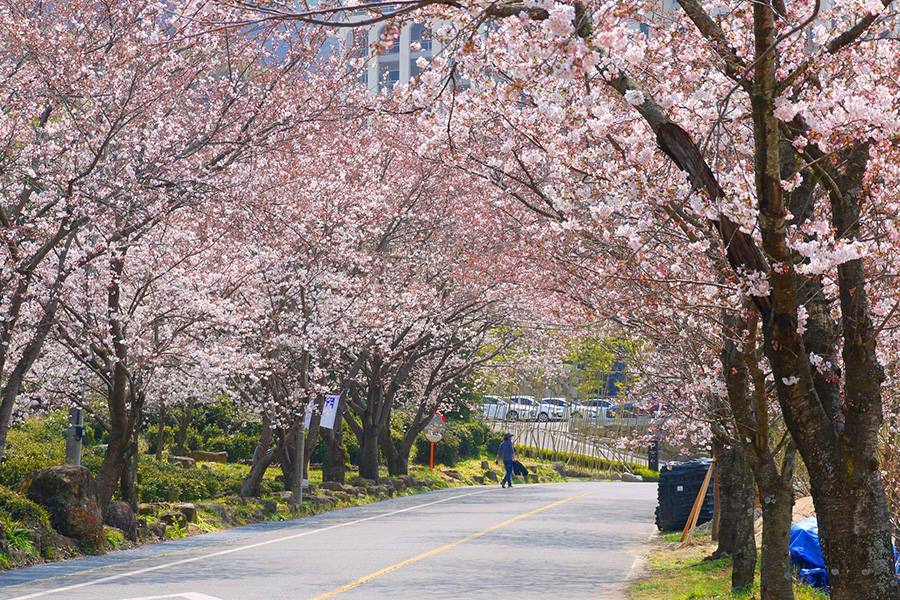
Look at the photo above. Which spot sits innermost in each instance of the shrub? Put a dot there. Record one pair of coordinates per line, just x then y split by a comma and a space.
472, 436
163, 482
35, 444
493, 442
446, 451
239, 446
114, 538
29, 516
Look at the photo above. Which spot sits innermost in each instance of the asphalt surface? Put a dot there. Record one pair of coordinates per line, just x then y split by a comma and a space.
569, 540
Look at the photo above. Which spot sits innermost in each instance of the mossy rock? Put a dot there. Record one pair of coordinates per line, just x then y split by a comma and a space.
69, 495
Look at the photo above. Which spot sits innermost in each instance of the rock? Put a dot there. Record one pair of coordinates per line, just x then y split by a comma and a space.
222, 511
158, 529
285, 496
185, 462
479, 479
559, 468
491, 476
69, 494
193, 529
485, 465
269, 507
342, 496
188, 510
631, 477
333, 486
120, 516
204, 456
362, 482
452, 473
321, 500
174, 518
150, 508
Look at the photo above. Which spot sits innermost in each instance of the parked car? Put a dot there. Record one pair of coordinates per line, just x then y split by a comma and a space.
494, 407
627, 410
552, 409
592, 409
521, 408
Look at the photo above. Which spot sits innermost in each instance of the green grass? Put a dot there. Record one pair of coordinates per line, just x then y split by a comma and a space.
115, 539
682, 574
17, 535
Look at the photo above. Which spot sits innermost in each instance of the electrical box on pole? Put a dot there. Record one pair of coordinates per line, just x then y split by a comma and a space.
74, 436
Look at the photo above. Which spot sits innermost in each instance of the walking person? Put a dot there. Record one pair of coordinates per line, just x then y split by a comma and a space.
508, 454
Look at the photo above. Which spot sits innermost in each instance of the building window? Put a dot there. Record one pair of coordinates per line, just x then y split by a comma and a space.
388, 74
421, 34
395, 47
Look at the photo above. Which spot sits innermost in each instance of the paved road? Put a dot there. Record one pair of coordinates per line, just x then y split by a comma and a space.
567, 541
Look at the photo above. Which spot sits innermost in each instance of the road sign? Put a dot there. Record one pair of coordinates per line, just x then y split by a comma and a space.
434, 431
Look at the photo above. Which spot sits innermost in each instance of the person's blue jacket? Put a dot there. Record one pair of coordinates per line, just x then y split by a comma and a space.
506, 451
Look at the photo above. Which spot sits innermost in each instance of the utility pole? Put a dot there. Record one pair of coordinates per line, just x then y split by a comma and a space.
74, 435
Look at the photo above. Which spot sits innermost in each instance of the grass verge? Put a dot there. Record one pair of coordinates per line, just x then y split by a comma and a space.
681, 574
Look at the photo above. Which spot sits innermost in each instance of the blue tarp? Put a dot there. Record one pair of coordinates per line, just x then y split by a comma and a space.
806, 553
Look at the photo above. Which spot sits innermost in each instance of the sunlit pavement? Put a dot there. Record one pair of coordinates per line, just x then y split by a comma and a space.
572, 540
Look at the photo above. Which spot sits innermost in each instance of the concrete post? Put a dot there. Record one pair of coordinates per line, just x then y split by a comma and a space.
74, 435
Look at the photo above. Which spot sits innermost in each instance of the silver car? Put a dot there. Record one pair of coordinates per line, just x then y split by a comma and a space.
521, 408
552, 409
494, 407
594, 410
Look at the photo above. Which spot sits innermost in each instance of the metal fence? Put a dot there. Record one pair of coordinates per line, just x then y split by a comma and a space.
567, 436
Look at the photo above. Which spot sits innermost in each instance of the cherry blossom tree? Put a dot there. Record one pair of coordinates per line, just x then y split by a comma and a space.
794, 106
118, 117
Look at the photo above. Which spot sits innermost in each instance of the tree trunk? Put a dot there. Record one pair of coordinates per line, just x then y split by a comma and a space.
29, 354
775, 560
854, 528
728, 509
161, 433
398, 464
128, 482
368, 453
262, 458
184, 423
334, 468
744, 546
298, 461
736, 536
287, 439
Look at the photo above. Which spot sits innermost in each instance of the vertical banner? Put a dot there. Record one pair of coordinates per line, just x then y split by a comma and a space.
310, 409
329, 411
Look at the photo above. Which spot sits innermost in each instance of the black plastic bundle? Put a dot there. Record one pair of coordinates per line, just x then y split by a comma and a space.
679, 484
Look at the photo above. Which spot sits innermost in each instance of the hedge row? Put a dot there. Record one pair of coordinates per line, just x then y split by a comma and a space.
462, 439
585, 460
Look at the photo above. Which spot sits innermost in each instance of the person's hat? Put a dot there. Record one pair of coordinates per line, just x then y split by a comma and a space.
507, 436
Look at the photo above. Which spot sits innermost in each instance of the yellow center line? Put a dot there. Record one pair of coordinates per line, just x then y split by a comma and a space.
405, 563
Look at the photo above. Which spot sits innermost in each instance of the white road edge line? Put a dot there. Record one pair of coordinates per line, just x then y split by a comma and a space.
240, 548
